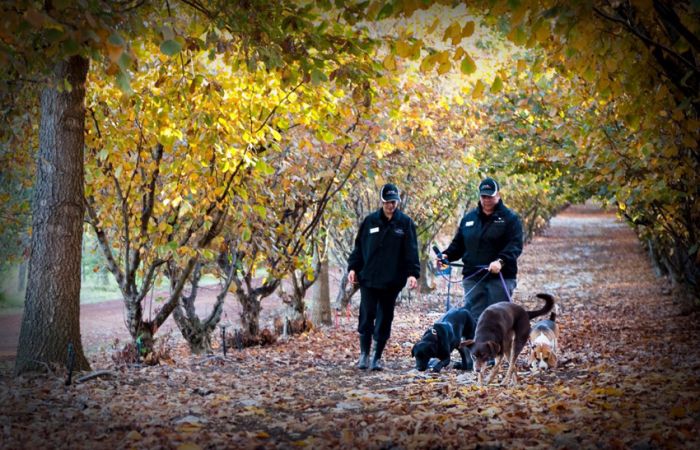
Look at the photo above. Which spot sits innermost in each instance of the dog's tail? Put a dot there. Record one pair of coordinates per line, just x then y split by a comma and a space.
549, 299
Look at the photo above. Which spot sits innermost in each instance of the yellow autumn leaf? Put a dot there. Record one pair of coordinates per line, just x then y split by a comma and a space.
444, 67
389, 62
468, 29
403, 49
478, 91
442, 57
555, 428
416, 49
134, 436
432, 27
609, 391
453, 32
427, 64
522, 65
188, 446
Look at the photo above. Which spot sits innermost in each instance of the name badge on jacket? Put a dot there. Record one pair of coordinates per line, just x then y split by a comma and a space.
469, 224
373, 230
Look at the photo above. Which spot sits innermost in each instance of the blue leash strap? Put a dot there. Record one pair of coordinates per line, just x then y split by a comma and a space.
505, 287
477, 283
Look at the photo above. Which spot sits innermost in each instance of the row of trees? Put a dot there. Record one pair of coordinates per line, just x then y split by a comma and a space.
247, 139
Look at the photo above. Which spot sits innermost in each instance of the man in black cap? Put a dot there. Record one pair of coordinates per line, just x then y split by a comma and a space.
385, 257
489, 237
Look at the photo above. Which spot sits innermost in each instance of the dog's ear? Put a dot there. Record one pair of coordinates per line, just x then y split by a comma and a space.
413, 351
443, 340
466, 344
494, 347
551, 360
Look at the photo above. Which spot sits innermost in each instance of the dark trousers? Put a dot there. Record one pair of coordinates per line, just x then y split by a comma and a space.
377, 312
479, 296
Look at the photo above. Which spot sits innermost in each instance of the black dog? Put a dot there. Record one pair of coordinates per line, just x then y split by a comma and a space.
443, 337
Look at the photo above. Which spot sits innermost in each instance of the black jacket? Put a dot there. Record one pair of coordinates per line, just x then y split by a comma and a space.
481, 239
386, 251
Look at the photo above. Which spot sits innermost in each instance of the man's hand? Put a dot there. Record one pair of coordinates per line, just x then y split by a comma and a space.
352, 278
440, 264
495, 266
412, 282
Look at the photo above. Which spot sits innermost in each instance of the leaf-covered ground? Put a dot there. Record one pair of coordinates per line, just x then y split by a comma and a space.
628, 376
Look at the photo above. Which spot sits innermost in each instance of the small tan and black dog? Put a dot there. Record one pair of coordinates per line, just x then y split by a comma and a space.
544, 343
502, 332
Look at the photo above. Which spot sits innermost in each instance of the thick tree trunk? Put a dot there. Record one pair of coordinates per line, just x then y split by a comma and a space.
196, 333
51, 318
321, 310
250, 315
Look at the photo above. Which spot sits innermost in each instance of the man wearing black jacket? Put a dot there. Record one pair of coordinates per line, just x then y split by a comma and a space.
385, 257
489, 237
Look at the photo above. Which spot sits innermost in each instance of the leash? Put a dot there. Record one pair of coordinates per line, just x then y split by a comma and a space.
505, 288
477, 283
482, 268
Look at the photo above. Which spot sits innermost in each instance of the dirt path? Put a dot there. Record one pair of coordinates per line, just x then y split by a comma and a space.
629, 376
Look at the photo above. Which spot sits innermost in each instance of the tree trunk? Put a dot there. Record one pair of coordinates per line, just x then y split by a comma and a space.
51, 318
196, 333
250, 315
427, 280
345, 293
321, 311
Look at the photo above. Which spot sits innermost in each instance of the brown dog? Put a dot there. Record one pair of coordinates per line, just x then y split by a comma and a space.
544, 339
502, 330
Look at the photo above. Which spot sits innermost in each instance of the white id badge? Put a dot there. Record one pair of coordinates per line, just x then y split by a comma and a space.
373, 230
469, 224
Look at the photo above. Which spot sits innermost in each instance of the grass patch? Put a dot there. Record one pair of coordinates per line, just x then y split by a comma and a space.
95, 288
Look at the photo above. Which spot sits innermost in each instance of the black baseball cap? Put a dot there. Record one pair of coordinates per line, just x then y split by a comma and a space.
390, 193
488, 186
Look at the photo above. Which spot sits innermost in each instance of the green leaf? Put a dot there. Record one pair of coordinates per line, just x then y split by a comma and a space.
170, 47
124, 61
124, 82
318, 77
260, 209
468, 66
385, 11
116, 40
497, 85
264, 168
71, 47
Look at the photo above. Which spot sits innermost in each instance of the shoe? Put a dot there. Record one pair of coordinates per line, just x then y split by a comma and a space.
377, 364
363, 362
377, 358
365, 344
